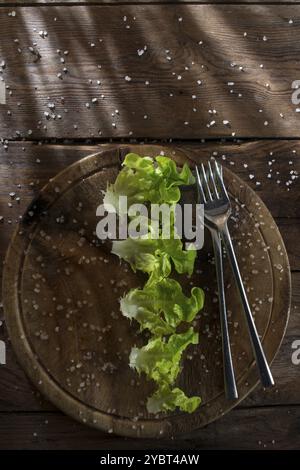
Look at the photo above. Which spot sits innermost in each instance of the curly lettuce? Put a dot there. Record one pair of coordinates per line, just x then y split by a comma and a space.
143, 253
160, 306
143, 181
160, 361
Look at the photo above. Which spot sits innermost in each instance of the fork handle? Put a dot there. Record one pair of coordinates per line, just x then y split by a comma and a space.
229, 379
262, 364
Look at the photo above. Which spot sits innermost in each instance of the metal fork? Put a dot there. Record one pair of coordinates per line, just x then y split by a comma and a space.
217, 209
229, 379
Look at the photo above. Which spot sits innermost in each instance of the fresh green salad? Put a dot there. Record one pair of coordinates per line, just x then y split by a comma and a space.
160, 306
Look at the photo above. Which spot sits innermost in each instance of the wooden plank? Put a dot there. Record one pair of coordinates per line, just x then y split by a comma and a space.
270, 167
130, 2
31, 165
271, 428
253, 46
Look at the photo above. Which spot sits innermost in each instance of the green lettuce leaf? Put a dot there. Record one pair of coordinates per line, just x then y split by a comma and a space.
168, 399
160, 358
144, 179
138, 305
175, 305
160, 361
136, 187
161, 307
143, 255
169, 171
137, 251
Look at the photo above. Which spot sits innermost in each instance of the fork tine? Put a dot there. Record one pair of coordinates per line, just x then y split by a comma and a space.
206, 185
219, 175
215, 190
221, 171
199, 185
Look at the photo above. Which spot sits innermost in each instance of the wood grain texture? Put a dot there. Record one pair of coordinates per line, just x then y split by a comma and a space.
253, 46
27, 167
132, 2
18, 394
271, 428
63, 331
31, 165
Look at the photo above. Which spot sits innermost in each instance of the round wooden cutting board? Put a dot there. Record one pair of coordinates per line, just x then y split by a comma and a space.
62, 288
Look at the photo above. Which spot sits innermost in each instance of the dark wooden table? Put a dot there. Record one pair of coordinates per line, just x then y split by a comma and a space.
214, 77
